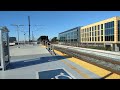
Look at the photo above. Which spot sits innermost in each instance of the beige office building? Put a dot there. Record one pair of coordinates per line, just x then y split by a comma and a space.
103, 33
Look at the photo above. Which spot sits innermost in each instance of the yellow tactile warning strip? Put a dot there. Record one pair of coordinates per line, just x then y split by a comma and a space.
43, 46
95, 69
113, 76
78, 71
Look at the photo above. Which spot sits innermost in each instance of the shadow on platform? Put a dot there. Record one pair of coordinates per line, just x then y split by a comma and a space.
107, 75
34, 61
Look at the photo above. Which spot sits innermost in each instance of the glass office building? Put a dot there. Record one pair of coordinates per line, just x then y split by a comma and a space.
105, 32
70, 37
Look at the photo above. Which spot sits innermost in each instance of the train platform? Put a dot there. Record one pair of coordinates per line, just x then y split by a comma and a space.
36, 62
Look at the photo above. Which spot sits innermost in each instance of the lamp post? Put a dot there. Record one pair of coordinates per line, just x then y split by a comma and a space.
17, 32
32, 37
24, 34
33, 31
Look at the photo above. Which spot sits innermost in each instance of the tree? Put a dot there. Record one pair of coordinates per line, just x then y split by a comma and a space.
54, 39
42, 38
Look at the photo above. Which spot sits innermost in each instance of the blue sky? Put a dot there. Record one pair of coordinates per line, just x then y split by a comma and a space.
51, 22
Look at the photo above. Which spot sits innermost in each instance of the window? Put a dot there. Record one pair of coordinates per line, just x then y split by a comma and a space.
95, 39
98, 27
112, 38
92, 33
95, 33
101, 32
112, 24
101, 26
87, 30
118, 30
83, 31
92, 38
95, 27
112, 31
98, 38
106, 32
92, 28
118, 37
109, 38
101, 38
98, 33
109, 31
75, 39
109, 24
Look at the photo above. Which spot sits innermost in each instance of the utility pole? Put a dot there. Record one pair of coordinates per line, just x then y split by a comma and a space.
24, 35
29, 27
17, 32
18, 36
32, 37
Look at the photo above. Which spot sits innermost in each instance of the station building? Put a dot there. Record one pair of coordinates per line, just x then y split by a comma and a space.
104, 33
70, 37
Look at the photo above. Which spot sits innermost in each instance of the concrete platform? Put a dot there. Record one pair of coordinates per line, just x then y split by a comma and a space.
27, 62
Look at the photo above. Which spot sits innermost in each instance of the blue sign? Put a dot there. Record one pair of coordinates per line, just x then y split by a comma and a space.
55, 74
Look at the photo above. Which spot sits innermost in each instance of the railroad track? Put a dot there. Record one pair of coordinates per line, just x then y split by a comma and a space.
102, 52
94, 51
103, 62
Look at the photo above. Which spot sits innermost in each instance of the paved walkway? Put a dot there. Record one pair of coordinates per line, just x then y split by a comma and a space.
35, 62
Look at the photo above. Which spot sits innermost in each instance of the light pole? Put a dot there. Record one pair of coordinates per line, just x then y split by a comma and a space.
32, 37
17, 32
29, 27
24, 34
33, 31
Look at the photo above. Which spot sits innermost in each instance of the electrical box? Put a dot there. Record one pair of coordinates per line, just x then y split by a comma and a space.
4, 48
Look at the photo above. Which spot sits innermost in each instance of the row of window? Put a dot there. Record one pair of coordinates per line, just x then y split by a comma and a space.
118, 33
93, 28
118, 37
119, 30
72, 35
109, 31
109, 38
69, 36
92, 34
68, 40
109, 24
118, 23
92, 39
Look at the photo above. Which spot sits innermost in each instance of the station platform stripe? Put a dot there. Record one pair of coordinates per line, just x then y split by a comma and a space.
43, 46
78, 71
95, 69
